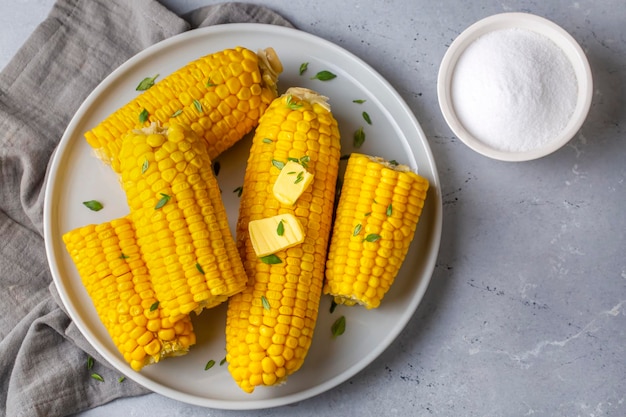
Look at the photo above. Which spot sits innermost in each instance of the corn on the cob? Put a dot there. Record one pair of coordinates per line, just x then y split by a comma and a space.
378, 211
221, 96
270, 324
113, 272
182, 226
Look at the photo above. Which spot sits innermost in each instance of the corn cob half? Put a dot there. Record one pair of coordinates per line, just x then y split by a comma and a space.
115, 276
182, 226
269, 326
221, 96
377, 214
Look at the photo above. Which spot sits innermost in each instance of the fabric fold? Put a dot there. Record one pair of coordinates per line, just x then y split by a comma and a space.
43, 355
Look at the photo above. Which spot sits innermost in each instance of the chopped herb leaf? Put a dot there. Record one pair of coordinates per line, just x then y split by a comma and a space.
291, 172
359, 137
198, 106
223, 361
123, 256
210, 83
278, 164
359, 101
121, 379
372, 237
366, 117
144, 166
293, 159
143, 116
93, 205
90, 363
369, 213
146, 83
177, 113
303, 67
266, 303
389, 210
97, 377
304, 161
271, 259
199, 268
393, 162
323, 76
163, 201
292, 104
333, 306
209, 365
154, 306
280, 229
299, 177
357, 229
338, 327
267, 140
238, 190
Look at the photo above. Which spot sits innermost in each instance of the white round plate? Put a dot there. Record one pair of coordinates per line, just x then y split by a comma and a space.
76, 176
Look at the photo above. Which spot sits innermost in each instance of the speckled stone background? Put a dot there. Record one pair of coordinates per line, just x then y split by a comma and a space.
526, 311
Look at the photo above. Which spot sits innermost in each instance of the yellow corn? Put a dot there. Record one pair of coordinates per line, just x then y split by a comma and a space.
182, 226
270, 324
113, 272
221, 96
378, 211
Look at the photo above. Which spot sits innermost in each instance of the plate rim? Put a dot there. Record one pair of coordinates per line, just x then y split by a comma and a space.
51, 246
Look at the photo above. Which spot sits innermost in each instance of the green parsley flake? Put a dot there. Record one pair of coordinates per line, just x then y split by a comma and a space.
143, 116
271, 259
280, 230
324, 76
367, 118
163, 201
278, 164
93, 205
292, 104
265, 302
209, 365
198, 106
359, 137
177, 113
357, 229
97, 377
154, 306
238, 190
339, 327
146, 83
372, 237
303, 67
199, 268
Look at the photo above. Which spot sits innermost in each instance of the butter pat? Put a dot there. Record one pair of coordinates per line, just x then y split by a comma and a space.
291, 183
274, 234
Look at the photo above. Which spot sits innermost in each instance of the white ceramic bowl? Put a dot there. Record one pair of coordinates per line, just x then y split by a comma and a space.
540, 25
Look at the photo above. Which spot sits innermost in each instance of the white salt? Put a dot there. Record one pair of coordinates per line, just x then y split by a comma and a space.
514, 90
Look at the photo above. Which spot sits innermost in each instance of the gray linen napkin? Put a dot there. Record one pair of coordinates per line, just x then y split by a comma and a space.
43, 356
